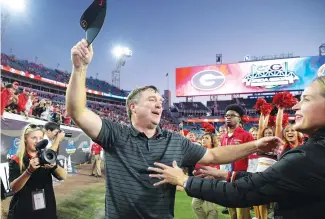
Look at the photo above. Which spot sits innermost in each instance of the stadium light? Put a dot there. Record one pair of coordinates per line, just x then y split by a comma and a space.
120, 52
11, 7
15, 5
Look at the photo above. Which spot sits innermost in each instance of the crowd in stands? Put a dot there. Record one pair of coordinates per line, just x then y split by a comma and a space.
50, 106
57, 75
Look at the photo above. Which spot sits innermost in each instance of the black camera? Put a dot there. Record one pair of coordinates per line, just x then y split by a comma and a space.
66, 134
45, 156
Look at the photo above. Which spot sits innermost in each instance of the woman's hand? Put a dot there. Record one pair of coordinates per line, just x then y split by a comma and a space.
50, 166
206, 171
33, 164
173, 175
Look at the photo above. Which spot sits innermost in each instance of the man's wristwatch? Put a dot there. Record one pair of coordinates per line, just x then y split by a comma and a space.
184, 184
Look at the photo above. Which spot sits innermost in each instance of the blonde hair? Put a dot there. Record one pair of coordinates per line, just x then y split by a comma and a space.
134, 97
21, 152
321, 82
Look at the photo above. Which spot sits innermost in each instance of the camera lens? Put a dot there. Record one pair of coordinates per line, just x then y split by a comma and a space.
49, 156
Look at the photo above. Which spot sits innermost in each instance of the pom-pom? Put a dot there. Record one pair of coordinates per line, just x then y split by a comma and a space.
266, 108
259, 103
284, 100
208, 127
271, 122
245, 119
185, 132
285, 120
205, 124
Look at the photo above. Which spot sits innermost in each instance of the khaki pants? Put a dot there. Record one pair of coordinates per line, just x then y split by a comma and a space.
261, 211
204, 210
239, 213
96, 165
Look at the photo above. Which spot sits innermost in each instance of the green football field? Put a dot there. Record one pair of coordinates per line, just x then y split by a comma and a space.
89, 204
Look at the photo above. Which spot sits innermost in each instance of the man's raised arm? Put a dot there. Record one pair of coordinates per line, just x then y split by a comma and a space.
88, 121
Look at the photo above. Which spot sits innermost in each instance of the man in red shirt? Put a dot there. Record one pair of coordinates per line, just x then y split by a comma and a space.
66, 117
22, 101
96, 160
5, 97
236, 135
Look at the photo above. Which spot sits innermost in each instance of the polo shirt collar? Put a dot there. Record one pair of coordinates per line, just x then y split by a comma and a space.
135, 132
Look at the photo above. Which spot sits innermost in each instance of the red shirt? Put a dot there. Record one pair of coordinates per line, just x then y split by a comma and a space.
239, 136
198, 166
96, 149
5, 96
22, 101
67, 118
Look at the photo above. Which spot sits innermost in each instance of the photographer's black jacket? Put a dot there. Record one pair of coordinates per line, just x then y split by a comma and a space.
296, 182
21, 203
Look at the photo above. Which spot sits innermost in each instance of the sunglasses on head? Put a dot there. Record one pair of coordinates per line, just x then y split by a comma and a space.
33, 126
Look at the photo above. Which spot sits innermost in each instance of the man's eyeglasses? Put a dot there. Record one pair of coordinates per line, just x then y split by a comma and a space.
231, 116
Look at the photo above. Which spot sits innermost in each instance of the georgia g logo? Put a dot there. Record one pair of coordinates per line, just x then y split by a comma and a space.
208, 80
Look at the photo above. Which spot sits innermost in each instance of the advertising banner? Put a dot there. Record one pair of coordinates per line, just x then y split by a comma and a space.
249, 77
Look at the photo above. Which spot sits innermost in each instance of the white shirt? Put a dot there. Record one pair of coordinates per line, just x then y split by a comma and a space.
50, 142
45, 114
29, 104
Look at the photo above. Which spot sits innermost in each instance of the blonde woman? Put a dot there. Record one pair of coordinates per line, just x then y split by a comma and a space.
32, 184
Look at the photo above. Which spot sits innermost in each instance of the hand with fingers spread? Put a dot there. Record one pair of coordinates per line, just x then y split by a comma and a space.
33, 165
81, 54
269, 144
172, 175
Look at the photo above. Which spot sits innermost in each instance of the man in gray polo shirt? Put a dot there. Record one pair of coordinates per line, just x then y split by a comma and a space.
129, 151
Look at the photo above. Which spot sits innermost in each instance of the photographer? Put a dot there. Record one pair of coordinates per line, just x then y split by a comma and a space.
54, 135
31, 182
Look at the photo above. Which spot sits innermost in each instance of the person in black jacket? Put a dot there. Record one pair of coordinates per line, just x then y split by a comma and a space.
296, 182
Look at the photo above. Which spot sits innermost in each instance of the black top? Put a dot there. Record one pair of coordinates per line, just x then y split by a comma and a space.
21, 205
296, 182
128, 154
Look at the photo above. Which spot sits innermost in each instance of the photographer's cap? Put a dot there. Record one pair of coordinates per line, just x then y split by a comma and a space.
93, 18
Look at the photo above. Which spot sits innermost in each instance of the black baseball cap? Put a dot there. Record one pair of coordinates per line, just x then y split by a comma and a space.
93, 19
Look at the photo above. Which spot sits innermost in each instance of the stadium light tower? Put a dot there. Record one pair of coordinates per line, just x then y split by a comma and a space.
322, 50
120, 53
7, 8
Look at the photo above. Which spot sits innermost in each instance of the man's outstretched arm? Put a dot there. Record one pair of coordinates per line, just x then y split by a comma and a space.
228, 154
